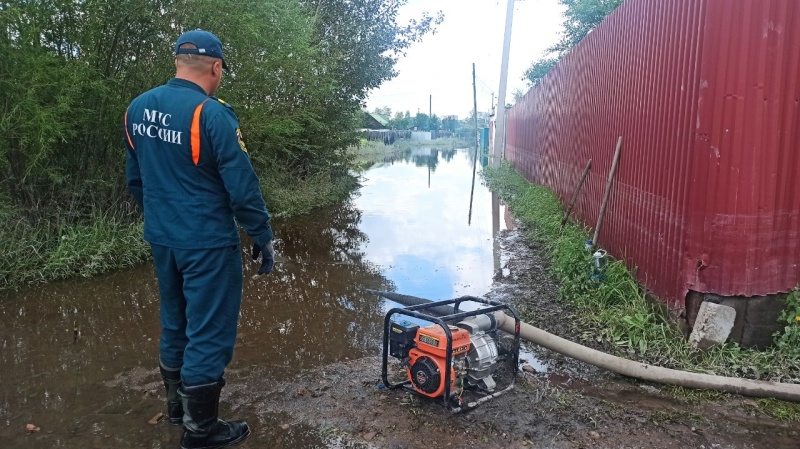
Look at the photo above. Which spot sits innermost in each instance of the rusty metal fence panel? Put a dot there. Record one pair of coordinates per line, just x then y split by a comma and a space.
705, 94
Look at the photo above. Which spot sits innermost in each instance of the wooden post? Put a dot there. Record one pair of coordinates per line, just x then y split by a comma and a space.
607, 192
575, 193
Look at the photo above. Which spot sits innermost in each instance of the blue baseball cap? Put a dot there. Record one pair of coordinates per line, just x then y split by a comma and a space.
206, 42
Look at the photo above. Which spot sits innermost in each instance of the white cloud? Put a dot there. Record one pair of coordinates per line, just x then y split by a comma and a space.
420, 234
472, 31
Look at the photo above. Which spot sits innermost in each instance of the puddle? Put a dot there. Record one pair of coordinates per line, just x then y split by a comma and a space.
79, 357
416, 214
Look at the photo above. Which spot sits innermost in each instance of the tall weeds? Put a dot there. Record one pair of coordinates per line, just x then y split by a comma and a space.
44, 253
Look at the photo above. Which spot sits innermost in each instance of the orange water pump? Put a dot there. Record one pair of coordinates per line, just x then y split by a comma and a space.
426, 361
455, 357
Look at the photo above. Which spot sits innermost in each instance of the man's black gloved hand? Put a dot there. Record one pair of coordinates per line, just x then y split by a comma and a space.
267, 254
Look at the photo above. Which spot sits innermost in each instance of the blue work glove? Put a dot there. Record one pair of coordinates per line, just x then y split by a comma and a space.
267, 254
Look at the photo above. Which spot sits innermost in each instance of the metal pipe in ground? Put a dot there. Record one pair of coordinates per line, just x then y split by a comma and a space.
630, 368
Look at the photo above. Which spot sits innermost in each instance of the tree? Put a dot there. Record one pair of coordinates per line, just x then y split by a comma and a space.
467, 126
355, 45
385, 111
300, 72
539, 69
360, 41
434, 123
401, 120
580, 18
422, 122
450, 123
518, 94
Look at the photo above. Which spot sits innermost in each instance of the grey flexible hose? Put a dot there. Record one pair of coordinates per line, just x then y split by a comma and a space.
667, 376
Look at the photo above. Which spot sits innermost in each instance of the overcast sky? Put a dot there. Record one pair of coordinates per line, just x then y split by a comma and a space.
472, 32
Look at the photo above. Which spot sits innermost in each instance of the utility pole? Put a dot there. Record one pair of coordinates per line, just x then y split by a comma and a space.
500, 118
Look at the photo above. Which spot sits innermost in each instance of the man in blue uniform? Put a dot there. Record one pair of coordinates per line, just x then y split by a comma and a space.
189, 171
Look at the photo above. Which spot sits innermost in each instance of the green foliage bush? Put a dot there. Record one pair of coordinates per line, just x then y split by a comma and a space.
789, 339
580, 18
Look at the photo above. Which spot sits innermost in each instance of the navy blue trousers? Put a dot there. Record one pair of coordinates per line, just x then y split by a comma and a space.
201, 294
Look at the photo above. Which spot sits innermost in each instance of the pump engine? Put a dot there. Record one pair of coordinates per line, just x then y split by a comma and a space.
423, 351
438, 366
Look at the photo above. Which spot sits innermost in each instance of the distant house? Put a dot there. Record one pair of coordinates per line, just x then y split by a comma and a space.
375, 121
376, 127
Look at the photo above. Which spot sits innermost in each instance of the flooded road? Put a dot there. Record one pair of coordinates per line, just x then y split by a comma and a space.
79, 357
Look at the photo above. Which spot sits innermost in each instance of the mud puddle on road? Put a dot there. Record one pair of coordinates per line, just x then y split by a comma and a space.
79, 357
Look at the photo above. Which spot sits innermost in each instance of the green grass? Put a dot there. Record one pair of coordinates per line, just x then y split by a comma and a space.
287, 196
54, 248
781, 410
50, 251
691, 396
367, 153
614, 313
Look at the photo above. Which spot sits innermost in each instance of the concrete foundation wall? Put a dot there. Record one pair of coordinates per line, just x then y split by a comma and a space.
756, 317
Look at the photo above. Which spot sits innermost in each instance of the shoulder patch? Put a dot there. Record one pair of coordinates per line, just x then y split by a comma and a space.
223, 102
241, 139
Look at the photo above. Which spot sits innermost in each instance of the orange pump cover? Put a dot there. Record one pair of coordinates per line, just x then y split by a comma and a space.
432, 340
431, 343
415, 354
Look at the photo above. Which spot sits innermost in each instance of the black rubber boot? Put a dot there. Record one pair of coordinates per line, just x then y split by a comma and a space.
204, 429
172, 383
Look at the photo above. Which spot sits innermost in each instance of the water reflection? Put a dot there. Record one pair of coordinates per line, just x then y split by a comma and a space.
418, 229
312, 309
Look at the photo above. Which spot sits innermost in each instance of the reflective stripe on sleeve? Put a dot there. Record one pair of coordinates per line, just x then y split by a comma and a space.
195, 132
127, 133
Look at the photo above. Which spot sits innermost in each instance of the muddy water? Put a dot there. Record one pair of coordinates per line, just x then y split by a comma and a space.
79, 357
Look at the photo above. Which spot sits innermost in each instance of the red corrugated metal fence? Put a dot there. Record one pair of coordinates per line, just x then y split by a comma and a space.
705, 94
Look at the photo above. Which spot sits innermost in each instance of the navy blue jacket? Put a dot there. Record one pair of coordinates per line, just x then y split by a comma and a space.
189, 171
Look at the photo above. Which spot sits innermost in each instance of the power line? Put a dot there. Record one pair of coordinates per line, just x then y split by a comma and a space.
486, 88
